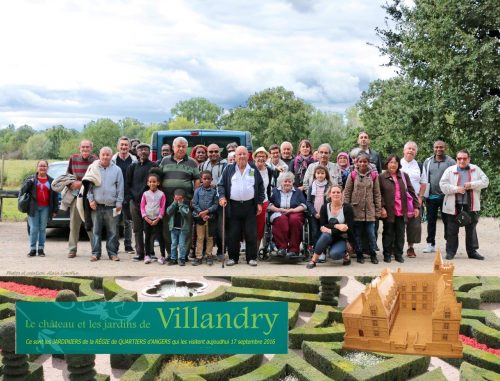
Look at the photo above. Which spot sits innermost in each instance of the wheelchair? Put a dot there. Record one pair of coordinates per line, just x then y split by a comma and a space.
269, 250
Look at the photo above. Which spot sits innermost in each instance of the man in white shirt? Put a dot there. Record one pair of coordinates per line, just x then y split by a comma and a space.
411, 167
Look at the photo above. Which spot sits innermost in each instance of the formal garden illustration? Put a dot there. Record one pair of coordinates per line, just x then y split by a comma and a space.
316, 332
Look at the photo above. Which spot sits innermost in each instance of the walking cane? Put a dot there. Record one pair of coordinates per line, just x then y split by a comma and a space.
223, 235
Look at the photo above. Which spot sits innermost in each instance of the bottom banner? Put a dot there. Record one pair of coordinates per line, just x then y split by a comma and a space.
149, 327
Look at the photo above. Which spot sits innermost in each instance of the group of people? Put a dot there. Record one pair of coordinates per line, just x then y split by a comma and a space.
218, 202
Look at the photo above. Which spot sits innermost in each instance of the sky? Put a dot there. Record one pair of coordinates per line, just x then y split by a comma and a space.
70, 62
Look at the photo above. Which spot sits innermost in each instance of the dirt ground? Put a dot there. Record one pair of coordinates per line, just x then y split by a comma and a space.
14, 247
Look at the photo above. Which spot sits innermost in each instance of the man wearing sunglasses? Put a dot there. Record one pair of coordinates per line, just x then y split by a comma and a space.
461, 185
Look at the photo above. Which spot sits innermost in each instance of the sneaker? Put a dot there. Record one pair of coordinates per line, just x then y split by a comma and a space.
172, 262
230, 262
252, 262
210, 261
138, 258
41, 253
220, 257
410, 253
360, 259
430, 248
147, 259
196, 262
291, 254
399, 258
156, 243
281, 253
32, 253
71, 255
387, 258
129, 250
182, 262
162, 260
374, 260
322, 258
154, 258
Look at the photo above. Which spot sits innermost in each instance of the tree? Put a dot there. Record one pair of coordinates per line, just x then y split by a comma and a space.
198, 110
131, 127
328, 128
103, 132
69, 147
450, 47
147, 132
272, 116
446, 55
38, 147
181, 123
57, 135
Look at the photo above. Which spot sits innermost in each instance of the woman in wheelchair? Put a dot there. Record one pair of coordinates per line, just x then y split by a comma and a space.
337, 228
287, 205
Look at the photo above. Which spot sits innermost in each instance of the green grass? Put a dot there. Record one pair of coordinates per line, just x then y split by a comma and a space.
14, 173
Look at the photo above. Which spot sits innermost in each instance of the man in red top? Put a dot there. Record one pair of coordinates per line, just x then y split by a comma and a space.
78, 164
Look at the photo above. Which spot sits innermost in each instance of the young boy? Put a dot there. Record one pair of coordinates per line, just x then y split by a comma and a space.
152, 211
179, 227
204, 212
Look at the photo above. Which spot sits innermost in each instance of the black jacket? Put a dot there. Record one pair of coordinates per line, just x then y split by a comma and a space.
29, 186
137, 179
349, 221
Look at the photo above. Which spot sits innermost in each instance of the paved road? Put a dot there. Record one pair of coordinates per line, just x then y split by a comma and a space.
14, 247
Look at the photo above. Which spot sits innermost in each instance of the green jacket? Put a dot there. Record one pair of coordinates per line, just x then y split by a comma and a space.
183, 210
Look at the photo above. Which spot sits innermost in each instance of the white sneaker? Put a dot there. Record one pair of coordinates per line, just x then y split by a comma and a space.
252, 262
156, 243
430, 248
230, 262
147, 259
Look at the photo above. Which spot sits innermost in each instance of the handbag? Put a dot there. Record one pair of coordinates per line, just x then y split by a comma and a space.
23, 202
410, 209
464, 218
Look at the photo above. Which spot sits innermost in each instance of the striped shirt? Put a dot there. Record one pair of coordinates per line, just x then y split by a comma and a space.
78, 165
179, 175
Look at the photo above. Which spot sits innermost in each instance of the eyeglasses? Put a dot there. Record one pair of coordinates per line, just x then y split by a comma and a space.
213, 151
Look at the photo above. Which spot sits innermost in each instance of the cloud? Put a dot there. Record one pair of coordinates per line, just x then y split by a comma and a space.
73, 61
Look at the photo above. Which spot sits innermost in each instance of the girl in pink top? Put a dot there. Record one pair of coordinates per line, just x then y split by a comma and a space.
152, 210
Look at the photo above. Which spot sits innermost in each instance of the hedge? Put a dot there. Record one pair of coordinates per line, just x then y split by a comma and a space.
217, 295
486, 317
7, 310
282, 365
296, 284
469, 372
481, 332
326, 358
319, 327
220, 370
111, 289
468, 300
489, 293
433, 375
307, 301
465, 283
145, 368
477, 357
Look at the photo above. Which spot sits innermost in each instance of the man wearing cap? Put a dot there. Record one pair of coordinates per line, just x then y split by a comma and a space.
179, 172
136, 181
241, 190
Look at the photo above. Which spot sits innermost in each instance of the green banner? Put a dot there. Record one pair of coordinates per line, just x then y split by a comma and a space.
151, 327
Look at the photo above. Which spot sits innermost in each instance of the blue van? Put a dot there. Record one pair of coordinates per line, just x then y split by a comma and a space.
194, 137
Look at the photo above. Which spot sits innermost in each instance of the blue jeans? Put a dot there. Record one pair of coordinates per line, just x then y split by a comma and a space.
103, 217
38, 227
366, 229
178, 239
337, 249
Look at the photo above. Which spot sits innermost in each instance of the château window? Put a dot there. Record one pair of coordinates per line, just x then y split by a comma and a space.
446, 326
414, 287
375, 323
445, 336
413, 297
403, 288
447, 314
424, 287
376, 333
373, 310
